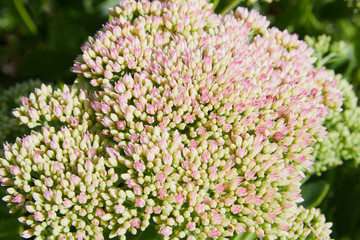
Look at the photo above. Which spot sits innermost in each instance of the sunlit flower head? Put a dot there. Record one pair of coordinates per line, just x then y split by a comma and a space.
192, 123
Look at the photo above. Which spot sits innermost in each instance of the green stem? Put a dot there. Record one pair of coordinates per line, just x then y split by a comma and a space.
312, 18
245, 236
230, 6
237, 237
215, 3
138, 237
19, 6
326, 59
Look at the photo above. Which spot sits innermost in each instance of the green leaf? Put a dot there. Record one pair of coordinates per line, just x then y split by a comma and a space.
10, 229
314, 193
357, 50
245, 236
150, 233
230, 6
24, 16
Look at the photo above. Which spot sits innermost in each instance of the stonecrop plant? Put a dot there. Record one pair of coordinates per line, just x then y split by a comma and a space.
181, 124
343, 139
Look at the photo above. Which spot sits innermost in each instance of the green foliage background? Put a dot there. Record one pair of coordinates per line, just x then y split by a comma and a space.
41, 38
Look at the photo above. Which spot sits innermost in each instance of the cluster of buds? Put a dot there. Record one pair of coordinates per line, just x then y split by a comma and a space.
309, 224
63, 107
343, 140
195, 124
57, 179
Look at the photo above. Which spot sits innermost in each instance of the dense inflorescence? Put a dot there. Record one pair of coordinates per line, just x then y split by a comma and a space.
309, 224
342, 142
196, 124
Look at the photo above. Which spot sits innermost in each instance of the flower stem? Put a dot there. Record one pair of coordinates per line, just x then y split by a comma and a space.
215, 3
245, 236
230, 6
19, 6
326, 59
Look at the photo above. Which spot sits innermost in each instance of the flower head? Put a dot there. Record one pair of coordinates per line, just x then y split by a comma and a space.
198, 124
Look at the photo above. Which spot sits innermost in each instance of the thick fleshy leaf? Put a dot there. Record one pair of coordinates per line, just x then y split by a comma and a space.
314, 193
10, 229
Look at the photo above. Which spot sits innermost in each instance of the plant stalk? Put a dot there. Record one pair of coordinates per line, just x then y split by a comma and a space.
230, 6
25, 17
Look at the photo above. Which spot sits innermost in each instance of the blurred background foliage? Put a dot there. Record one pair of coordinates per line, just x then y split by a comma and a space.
39, 39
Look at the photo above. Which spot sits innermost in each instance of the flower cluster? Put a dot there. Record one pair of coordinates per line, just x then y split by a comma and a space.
309, 224
343, 140
196, 124
63, 107
327, 51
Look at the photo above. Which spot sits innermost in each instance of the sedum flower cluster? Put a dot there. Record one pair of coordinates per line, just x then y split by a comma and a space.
197, 125
342, 142
327, 51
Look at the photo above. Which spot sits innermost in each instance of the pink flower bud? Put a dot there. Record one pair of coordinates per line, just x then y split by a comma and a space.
139, 202
99, 212
82, 198
75, 180
38, 216
157, 210
214, 233
34, 115
165, 231
15, 170
19, 198
27, 233
161, 193
48, 195
80, 235
139, 166
67, 203
135, 223
240, 192
119, 209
